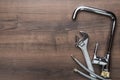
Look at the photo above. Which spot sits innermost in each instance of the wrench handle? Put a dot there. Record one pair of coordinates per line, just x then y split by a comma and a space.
87, 58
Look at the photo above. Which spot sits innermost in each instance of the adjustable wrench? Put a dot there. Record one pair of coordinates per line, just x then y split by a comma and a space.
82, 44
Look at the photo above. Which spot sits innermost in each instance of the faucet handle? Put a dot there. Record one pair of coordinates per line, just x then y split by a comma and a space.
98, 60
95, 50
95, 57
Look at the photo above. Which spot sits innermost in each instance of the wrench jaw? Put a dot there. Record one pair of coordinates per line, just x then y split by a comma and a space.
84, 35
83, 41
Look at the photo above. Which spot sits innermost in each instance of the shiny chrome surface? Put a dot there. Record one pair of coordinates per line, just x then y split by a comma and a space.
104, 61
83, 44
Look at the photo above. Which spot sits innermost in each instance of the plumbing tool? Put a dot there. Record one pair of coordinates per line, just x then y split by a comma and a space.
82, 44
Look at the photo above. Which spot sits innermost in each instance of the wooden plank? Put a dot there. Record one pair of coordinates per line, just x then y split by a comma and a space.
37, 38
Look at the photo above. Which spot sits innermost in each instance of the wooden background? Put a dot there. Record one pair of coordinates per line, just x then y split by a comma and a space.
37, 38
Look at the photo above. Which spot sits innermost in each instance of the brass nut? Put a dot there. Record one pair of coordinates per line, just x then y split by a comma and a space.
105, 74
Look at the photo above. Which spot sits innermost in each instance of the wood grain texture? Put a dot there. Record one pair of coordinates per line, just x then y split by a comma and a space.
37, 38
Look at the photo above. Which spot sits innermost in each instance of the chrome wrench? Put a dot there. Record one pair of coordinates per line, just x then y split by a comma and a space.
82, 44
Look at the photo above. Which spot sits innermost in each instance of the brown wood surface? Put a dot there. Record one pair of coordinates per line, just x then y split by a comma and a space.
37, 38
